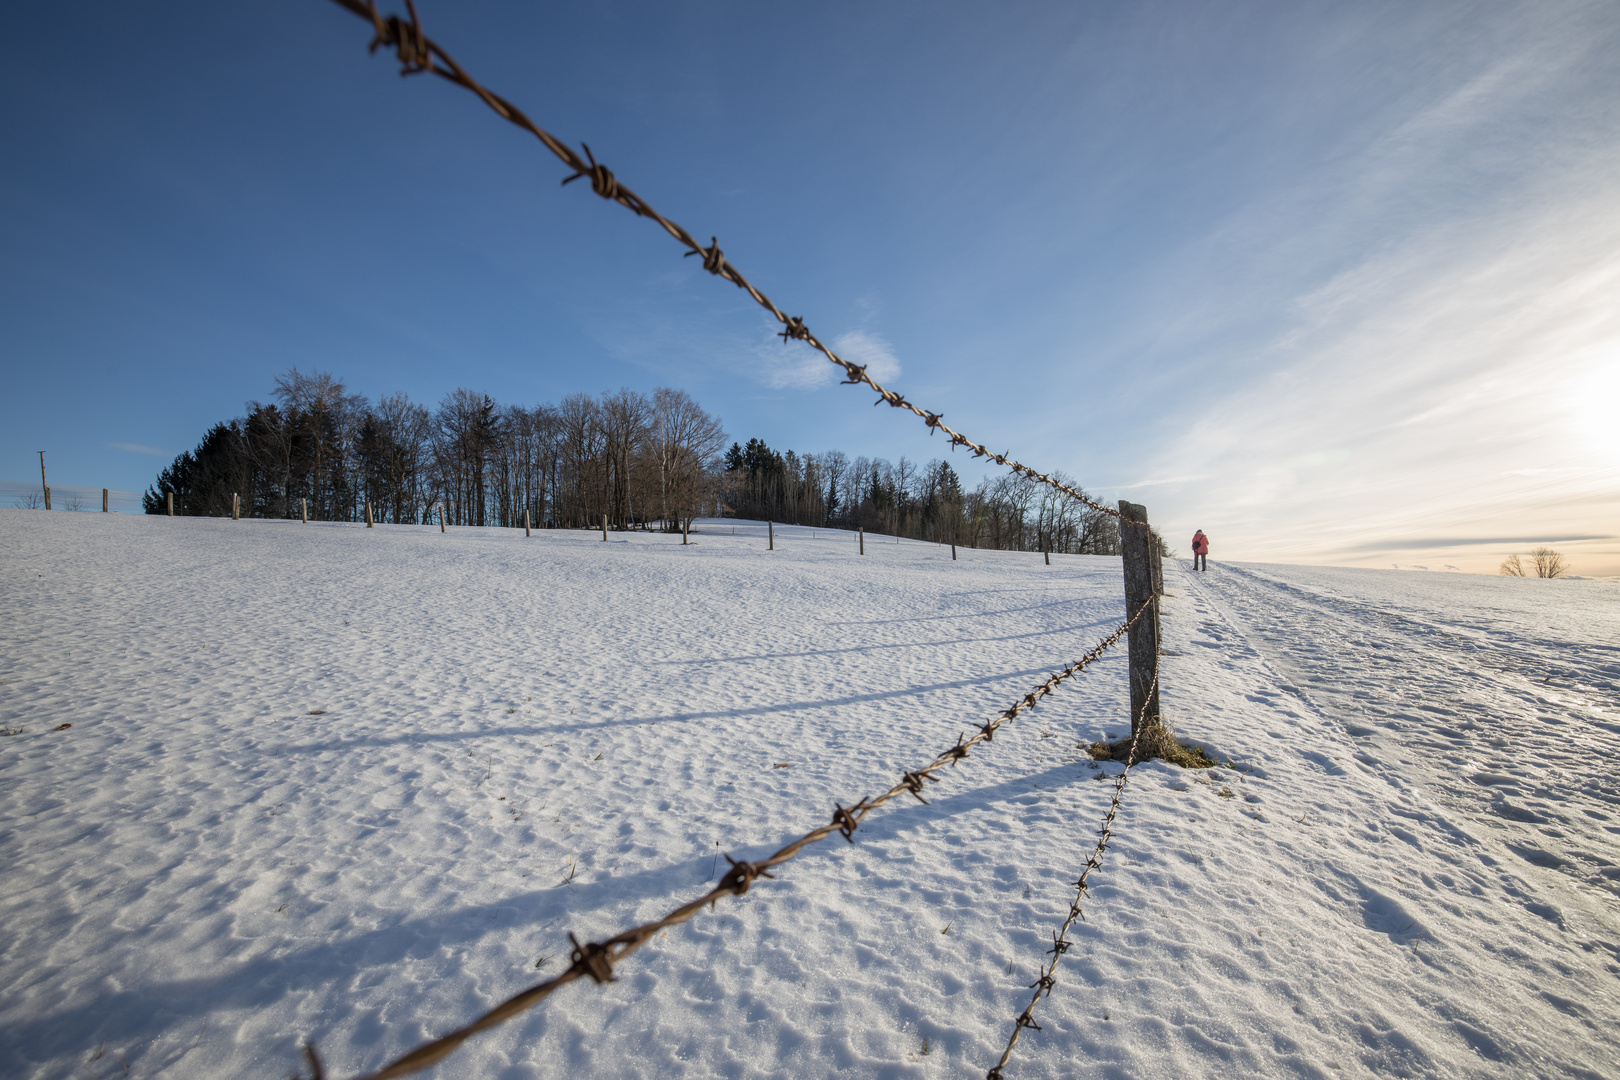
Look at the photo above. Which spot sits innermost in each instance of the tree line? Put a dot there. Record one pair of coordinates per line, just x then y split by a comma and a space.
636, 459
641, 461
922, 502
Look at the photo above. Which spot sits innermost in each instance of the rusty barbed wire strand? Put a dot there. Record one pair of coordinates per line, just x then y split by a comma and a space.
418, 54
1044, 985
596, 959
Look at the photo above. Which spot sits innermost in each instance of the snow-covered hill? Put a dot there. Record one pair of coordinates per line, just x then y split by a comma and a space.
353, 785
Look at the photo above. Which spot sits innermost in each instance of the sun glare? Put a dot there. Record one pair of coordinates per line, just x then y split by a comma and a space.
1597, 406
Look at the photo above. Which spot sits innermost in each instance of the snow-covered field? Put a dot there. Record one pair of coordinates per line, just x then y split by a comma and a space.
354, 785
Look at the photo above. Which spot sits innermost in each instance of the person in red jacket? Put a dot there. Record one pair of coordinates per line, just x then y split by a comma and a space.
1200, 551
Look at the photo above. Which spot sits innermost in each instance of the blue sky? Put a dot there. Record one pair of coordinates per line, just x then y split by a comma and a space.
1337, 283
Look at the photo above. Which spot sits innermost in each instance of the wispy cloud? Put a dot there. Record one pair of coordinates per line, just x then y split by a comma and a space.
1443, 368
1160, 482
871, 351
799, 367
1440, 542
137, 448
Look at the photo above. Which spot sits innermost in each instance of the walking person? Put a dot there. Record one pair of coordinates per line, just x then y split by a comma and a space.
1200, 551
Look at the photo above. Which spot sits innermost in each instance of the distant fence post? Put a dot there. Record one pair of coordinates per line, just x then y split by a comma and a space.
770, 527
236, 506
1136, 543
862, 534
604, 528
1048, 555
169, 498
526, 521
441, 517
369, 522
953, 551
103, 500
44, 483
686, 523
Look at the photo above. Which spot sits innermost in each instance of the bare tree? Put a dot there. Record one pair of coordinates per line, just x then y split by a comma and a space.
467, 430
1549, 563
624, 417
1511, 567
686, 443
578, 488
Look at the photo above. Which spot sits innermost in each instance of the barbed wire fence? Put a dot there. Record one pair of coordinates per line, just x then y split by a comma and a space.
1061, 942
596, 960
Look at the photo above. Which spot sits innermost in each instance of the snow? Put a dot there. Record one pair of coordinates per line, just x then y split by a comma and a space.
328, 782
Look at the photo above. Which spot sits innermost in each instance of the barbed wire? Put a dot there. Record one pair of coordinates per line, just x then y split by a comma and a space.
596, 959
420, 54
1060, 940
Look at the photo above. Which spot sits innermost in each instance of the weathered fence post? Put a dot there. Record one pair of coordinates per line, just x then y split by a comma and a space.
862, 534
770, 527
526, 521
604, 528
441, 517
369, 523
1048, 555
43, 482
170, 497
1136, 544
236, 507
303, 512
953, 551
686, 523
1156, 563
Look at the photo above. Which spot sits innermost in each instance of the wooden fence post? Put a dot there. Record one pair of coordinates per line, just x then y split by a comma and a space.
1048, 555
44, 483
170, 497
369, 523
441, 517
236, 507
1156, 564
686, 523
770, 527
953, 551
526, 521
604, 528
862, 534
1136, 543
103, 500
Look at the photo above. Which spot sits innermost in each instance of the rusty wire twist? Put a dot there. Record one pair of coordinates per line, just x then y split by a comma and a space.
418, 53
595, 960
1061, 942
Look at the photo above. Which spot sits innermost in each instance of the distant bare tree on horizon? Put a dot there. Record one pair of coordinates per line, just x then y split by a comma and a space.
1549, 563
1545, 562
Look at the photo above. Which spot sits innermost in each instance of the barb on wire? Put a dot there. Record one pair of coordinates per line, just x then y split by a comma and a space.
1061, 942
596, 960
418, 53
